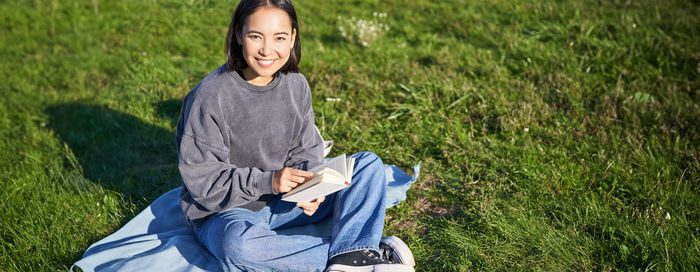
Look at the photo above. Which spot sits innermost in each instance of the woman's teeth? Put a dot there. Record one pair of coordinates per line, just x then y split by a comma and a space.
265, 62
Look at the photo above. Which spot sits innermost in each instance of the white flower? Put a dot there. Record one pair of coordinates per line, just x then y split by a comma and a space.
361, 31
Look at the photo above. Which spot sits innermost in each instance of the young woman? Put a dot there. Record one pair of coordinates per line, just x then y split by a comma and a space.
246, 135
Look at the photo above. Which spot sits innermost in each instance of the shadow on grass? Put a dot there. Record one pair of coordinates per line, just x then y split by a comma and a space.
127, 155
119, 151
170, 110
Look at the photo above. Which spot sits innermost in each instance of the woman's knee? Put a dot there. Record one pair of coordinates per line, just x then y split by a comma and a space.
234, 243
368, 159
371, 170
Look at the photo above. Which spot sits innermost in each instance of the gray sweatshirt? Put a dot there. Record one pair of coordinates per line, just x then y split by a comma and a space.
233, 135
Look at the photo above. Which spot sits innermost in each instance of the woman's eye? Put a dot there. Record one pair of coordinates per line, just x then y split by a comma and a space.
281, 38
254, 37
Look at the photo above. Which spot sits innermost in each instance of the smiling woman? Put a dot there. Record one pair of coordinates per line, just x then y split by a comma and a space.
246, 136
264, 42
267, 39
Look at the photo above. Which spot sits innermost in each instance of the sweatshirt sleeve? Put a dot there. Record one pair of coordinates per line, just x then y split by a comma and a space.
211, 182
307, 150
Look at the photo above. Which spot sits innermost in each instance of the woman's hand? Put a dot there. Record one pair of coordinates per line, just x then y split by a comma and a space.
311, 207
289, 178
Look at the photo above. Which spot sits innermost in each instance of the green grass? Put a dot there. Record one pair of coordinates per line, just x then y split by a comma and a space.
554, 135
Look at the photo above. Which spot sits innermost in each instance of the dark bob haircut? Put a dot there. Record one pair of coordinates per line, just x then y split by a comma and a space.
234, 51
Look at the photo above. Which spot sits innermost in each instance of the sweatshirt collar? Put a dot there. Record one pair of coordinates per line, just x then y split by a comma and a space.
255, 88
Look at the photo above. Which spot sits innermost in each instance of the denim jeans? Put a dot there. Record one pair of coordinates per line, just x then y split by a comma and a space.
243, 240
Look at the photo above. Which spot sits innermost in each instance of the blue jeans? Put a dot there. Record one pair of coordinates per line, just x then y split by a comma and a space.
243, 240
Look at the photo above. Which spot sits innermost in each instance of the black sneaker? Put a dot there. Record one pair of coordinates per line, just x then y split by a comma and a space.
364, 261
396, 251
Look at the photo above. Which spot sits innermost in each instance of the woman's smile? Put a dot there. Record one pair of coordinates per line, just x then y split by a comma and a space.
265, 63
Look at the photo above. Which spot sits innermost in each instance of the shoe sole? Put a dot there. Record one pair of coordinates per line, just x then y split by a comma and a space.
403, 252
371, 268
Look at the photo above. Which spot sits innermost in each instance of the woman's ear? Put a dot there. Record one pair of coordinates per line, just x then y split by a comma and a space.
294, 37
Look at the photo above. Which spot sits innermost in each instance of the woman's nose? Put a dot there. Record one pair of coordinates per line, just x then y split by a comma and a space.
266, 48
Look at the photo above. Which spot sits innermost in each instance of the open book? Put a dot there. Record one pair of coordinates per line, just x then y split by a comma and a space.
329, 177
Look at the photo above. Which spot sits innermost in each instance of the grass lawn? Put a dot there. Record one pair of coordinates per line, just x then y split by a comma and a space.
553, 135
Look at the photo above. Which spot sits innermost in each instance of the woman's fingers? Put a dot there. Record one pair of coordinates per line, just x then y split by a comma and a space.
310, 207
301, 173
310, 213
289, 178
309, 210
295, 176
307, 205
296, 179
293, 181
298, 173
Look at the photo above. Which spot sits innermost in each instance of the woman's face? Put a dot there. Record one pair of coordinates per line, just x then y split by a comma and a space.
266, 37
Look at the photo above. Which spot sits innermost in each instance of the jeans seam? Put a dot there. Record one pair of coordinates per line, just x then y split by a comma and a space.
244, 265
354, 248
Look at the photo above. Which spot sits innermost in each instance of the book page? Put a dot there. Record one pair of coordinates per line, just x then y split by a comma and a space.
331, 176
350, 168
315, 180
325, 175
318, 190
337, 164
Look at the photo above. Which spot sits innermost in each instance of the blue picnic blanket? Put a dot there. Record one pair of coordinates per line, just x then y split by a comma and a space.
159, 239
